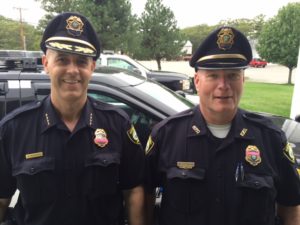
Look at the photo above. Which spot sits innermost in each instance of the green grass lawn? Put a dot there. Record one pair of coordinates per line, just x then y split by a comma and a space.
266, 97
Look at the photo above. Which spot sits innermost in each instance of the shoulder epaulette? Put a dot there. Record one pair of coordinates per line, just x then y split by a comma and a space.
103, 106
178, 116
20, 110
260, 120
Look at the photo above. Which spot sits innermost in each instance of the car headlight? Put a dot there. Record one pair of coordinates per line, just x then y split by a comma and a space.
186, 84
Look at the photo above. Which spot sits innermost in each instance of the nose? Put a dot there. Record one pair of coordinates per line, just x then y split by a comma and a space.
223, 82
73, 68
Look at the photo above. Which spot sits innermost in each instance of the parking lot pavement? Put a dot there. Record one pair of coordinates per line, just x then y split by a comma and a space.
272, 73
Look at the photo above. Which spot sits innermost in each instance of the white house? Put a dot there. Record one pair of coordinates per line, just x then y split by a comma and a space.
187, 48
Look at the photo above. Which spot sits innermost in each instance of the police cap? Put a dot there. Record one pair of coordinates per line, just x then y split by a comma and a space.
73, 33
224, 48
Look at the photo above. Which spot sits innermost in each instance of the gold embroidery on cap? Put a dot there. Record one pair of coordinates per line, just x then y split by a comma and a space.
83, 50
225, 38
186, 165
60, 46
34, 155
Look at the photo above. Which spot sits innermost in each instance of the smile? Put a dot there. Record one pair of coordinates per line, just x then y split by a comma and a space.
71, 81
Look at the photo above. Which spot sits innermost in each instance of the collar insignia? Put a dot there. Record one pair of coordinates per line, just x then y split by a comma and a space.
253, 155
186, 165
74, 25
133, 135
100, 138
288, 153
225, 38
243, 132
196, 129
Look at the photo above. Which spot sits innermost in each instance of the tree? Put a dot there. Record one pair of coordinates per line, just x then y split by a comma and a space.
10, 35
160, 36
279, 39
111, 19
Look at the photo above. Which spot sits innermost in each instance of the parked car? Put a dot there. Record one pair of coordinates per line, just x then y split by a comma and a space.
173, 80
145, 101
257, 62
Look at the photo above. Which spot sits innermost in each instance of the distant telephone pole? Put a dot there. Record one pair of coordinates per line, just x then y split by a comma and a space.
22, 37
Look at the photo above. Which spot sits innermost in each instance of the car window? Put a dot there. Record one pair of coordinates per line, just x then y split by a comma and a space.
120, 63
142, 122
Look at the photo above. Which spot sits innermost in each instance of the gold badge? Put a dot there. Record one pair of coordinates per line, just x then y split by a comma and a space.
196, 129
253, 155
149, 145
225, 38
100, 138
34, 155
186, 165
74, 25
288, 152
133, 135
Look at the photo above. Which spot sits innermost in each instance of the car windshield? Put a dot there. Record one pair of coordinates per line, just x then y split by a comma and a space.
165, 96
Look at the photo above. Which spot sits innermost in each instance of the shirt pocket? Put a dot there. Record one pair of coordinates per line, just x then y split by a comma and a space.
256, 199
101, 173
36, 180
185, 190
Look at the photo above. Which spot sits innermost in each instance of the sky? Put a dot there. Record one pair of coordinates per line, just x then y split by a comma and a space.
187, 12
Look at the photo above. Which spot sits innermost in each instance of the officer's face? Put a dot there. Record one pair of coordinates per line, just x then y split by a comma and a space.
220, 92
69, 74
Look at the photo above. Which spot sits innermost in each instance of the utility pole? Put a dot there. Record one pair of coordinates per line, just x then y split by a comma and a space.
22, 37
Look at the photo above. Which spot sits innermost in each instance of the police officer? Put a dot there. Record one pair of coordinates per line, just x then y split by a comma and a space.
216, 163
71, 157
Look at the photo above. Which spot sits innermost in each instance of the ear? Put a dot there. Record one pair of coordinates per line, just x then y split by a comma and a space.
45, 63
196, 80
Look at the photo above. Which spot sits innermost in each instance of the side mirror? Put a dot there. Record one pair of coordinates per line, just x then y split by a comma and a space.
297, 118
181, 93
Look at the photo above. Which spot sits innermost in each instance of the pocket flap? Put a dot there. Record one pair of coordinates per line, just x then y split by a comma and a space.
256, 181
100, 159
195, 173
34, 166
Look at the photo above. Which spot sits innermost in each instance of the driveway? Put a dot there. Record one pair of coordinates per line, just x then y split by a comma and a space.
272, 73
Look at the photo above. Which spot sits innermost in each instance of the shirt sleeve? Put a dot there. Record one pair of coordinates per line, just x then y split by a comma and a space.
7, 181
132, 159
152, 174
289, 185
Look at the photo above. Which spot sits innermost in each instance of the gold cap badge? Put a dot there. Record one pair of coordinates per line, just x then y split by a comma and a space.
253, 155
74, 25
225, 38
100, 138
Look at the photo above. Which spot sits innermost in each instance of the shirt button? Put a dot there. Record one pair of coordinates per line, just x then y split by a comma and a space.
183, 173
104, 161
32, 170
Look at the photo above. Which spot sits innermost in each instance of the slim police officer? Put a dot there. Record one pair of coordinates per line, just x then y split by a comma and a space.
219, 164
72, 158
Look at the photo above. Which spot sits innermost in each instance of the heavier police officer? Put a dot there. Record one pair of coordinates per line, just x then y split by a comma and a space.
216, 163
71, 157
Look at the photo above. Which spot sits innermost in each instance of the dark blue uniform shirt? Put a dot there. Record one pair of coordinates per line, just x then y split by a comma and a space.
212, 181
64, 177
